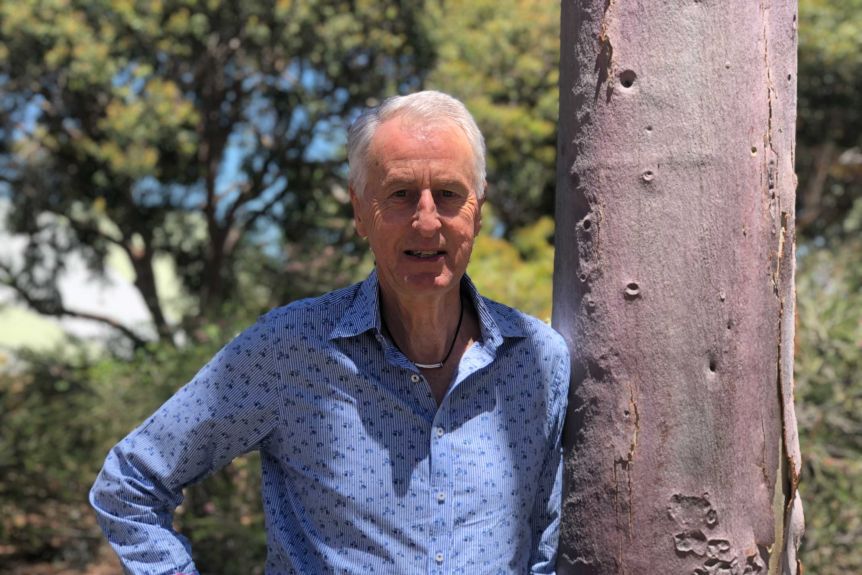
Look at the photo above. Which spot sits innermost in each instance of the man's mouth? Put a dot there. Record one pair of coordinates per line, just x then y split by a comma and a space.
424, 254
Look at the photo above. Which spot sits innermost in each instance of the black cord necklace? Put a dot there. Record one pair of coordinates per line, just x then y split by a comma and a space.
448, 353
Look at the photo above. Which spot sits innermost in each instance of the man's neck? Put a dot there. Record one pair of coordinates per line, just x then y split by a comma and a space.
424, 329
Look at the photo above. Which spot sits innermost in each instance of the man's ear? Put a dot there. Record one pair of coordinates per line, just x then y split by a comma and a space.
478, 225
356, 202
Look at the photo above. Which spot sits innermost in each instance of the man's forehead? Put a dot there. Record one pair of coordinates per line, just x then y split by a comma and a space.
406, 149
420, 128
424, 130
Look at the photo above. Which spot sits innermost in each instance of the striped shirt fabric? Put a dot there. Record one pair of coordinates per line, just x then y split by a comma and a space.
362, 471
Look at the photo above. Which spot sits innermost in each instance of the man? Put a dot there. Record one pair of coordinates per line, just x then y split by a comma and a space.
405, 424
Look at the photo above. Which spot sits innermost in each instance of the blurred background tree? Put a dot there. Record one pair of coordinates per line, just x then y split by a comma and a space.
187, 129
829, 283
212, 135
829, 128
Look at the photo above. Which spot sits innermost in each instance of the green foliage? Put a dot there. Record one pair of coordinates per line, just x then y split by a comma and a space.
829, 407
829, 127
520, 273
127, 123
830, 71
46, 457
60, 418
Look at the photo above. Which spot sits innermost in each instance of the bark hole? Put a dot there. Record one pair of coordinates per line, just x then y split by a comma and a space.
633, 290
648, 176
627, 78
753, 150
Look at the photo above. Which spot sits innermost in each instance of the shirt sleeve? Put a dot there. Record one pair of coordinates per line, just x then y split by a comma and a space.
545, 517
228, 409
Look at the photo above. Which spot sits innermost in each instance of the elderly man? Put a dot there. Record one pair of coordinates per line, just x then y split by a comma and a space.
405, 424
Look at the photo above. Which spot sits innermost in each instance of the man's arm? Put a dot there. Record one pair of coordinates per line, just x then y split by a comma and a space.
545, 517
228, 409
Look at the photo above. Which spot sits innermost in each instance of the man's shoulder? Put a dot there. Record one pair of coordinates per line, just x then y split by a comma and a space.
326, 308
514, 320
545, 347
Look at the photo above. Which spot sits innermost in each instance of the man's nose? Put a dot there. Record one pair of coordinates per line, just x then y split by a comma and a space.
426, 220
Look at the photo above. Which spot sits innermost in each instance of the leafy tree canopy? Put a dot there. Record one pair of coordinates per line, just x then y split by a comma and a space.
829, 134
180, 127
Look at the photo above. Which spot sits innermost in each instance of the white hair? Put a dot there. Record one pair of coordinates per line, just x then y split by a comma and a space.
428, 107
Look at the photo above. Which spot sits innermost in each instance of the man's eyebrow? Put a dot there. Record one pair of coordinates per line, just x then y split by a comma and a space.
450, 182
396, 180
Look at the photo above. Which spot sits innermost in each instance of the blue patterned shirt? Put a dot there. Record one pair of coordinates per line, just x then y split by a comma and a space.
362, 471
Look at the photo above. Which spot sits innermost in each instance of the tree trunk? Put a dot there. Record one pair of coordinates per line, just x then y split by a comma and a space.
674, 287
145, 282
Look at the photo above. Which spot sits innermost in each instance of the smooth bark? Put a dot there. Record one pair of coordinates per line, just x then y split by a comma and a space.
674, 286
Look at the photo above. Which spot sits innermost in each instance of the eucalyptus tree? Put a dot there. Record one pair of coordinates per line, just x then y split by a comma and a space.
674, 285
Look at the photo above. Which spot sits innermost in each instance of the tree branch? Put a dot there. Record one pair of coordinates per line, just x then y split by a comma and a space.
87, 226
59, 310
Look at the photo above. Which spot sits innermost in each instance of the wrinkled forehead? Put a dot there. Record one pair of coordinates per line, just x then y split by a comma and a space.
423, 127
406, 136
398, 143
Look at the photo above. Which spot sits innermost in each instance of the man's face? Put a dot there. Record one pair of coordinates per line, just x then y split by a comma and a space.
419, 210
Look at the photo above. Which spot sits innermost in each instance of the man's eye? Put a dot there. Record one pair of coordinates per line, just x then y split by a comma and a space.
400, 193
447, 193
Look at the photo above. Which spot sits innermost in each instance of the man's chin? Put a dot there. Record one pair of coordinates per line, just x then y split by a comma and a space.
428, 283
431, 281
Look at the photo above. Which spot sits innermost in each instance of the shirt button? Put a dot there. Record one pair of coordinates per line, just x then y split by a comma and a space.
438, 558
441, 497
440, 432
415, 378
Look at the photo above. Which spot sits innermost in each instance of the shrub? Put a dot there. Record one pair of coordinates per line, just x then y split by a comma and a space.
829, 407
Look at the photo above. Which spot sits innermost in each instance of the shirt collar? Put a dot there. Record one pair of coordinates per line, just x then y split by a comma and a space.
496, 321
363, 314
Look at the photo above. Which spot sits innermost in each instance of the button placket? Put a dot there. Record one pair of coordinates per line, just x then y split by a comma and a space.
441, 491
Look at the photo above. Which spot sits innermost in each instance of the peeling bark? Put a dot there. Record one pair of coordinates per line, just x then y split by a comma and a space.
674, 287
